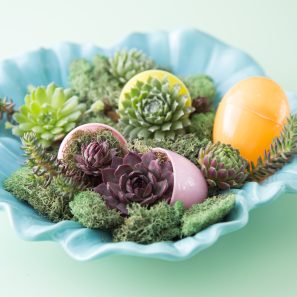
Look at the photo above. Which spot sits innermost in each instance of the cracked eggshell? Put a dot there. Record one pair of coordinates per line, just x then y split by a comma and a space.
190, 186
93, 127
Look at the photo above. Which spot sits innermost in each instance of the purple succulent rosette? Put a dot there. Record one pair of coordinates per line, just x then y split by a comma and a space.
94, 157
136, 178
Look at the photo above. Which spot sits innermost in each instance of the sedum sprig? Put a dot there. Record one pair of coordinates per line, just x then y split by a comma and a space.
281, 152
6, 107
45, 164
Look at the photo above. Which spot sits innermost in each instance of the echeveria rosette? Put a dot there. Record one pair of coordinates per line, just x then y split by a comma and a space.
127, 63
94, 157
154, 109
50, 112
136, 178
222, 166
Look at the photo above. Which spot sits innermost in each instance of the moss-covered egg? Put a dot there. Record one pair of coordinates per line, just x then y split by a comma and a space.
250, 115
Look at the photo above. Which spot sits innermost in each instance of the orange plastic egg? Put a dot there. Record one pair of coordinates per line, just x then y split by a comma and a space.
250, 115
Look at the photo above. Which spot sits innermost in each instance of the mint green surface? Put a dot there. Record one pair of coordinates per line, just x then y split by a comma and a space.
259, 260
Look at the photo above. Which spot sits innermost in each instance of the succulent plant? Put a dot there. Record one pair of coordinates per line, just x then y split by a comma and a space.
94, 157
202, 91
202, 125
50, 112
136, 178
161, 222
222, 166
154, 109
127, 63
281, 152
99, 142
6, 107
202, 215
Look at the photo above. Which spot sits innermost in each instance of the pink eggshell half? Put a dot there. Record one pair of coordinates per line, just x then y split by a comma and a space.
93, 127
190, 186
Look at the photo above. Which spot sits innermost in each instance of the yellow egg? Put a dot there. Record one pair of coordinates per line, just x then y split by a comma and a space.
160, 75
250, 115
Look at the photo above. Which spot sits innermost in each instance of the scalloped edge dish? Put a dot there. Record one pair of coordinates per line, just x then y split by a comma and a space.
185, 52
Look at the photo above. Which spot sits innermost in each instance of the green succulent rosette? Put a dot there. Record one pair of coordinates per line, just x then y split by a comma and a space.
127, 63
222, 166
50, 112
154, 109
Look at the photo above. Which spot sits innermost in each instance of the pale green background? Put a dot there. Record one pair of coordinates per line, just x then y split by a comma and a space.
261, 259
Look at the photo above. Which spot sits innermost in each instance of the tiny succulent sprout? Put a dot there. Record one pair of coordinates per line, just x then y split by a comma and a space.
136, 178
95, 156
202, 90
50, 112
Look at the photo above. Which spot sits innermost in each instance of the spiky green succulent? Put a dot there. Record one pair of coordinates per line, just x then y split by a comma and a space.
127, 63
202, 215
50, 112
281, 152
222, 166
202, 125
202, 90
154, 109
161, 222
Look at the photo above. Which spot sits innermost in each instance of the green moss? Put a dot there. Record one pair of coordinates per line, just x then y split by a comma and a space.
90, 210
81, 138
202, 125
187, 145
21, 183
201, 86
202, 215
145, 225
101, 118
92, 81
51, 202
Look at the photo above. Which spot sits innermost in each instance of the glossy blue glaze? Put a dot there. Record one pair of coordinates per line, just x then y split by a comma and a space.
185, 52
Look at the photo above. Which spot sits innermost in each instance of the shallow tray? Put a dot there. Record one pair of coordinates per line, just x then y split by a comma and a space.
185, 52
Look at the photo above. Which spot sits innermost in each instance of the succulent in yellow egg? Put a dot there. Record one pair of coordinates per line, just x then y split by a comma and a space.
154, 104
250, 116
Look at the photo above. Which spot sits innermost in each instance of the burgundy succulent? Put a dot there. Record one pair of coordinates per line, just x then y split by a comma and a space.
136, 178
201, 104
94, 157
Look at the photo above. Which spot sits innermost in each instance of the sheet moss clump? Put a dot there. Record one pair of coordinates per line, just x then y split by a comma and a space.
51, 202
21, 183
160, 222
202, 215
187, 145
92, 81
202, 124
90, 210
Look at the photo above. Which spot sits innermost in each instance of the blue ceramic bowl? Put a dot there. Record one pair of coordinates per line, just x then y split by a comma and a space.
185, 52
